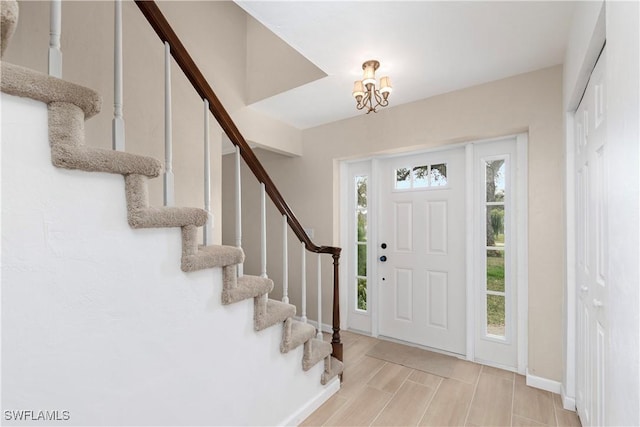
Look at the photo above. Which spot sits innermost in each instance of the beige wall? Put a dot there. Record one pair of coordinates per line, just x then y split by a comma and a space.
214, 33
266, 54
531, 102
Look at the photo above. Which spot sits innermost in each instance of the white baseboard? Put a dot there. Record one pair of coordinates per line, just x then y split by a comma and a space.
543, 383
301, 414
568, 402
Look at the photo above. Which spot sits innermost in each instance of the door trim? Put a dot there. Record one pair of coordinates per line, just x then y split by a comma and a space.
522, 248
521, 245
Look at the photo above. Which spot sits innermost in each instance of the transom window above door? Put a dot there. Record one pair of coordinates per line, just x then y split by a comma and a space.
421, 177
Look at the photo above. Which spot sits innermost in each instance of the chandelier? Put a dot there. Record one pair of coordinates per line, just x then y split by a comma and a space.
365, 92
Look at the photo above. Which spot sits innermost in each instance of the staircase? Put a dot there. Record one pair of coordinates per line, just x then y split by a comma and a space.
69, 105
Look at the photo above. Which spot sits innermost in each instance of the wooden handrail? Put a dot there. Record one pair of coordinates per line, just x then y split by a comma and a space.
159, 23
161, 26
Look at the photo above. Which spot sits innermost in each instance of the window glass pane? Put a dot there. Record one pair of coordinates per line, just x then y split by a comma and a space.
403, 178
439, 175
361, 191
495, 180
362, 260
495, 315
495, 226
362, 294
421, 176
362, 226
495, 271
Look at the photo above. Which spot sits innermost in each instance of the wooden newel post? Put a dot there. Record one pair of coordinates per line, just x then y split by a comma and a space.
335, 338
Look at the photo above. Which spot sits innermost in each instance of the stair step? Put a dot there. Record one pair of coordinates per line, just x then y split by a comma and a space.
211, 257
315, 350
332, 368
166, 217
295, 333
268, 312
27, 83
247, 287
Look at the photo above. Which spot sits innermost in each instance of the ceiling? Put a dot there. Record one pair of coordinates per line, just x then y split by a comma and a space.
426, 47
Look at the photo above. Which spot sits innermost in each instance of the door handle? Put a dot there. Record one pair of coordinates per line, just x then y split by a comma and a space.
597, 303
383, 258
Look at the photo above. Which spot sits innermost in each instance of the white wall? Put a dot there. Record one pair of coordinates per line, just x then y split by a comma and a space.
619, 23
99, 320
529, 102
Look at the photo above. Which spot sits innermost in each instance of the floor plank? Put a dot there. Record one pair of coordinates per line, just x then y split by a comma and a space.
524, 422
390, 377
425, 378
362, 409
449, 405
498, 372
324, 412
406, 407
466, 371
534, 404
491, 404
356, 376
567, 418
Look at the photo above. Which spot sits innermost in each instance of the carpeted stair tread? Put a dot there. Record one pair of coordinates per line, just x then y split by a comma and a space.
97, 160
66, 137
268, 312
211, 257
247, 287
295, 333
21, 81
165, 217
315, 350
332, 368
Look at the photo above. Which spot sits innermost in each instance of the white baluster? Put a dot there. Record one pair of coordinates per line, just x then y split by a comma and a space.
239, 207
168, 153
263, 231
304, 284
55, 29
319, 336
207, 230
117, 125
285, 262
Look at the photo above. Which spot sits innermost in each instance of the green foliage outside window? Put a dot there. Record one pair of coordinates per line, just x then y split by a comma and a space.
361, 230
362, 294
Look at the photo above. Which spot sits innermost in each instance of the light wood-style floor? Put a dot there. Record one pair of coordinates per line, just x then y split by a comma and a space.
379, 393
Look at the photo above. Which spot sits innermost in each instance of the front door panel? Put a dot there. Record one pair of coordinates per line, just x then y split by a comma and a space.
422, 278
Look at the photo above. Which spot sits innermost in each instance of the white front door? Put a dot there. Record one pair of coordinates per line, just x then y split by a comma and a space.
421, 249
591, 249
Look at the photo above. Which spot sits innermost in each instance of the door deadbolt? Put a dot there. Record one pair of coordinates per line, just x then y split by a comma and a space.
383, 258
383, 246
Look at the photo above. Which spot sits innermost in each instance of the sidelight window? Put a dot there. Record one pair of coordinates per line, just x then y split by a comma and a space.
495, 249
361, 220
